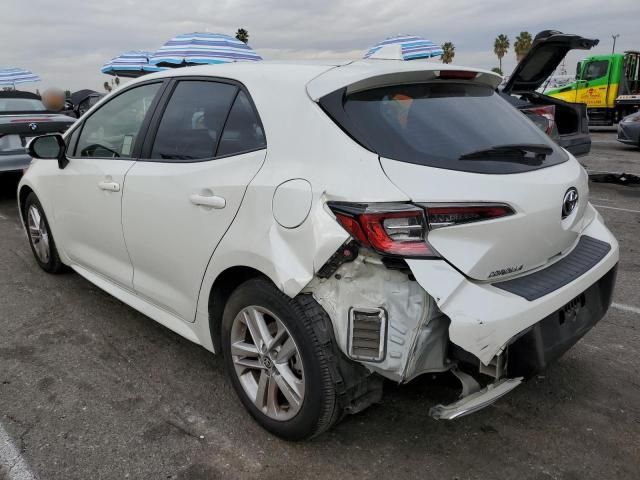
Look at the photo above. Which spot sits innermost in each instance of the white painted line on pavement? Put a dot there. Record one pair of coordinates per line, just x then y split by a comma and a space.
617, 208
626, 308
2, 217
12, 460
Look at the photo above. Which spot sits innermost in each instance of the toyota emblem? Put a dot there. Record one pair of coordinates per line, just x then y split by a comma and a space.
569, 202
33, 126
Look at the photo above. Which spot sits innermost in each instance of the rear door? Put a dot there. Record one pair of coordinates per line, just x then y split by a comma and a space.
206, 146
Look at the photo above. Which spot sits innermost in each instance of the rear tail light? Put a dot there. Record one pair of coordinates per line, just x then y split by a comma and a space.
457, 75
400, 229
548, 112
391, 229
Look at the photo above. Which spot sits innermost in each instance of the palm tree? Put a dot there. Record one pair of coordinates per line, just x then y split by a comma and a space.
242, 35
522, 45
449, 50
496, 70
500, 47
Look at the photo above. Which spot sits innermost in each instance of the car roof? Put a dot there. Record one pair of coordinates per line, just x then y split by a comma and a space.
323, 77
287, 72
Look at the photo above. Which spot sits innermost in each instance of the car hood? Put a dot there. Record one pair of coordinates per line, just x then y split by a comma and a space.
548, 49
634, 117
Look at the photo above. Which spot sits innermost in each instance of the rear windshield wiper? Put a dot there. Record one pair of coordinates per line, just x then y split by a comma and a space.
499, 152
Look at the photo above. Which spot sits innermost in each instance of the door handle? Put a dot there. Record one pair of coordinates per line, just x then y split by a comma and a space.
109, 186
208, 201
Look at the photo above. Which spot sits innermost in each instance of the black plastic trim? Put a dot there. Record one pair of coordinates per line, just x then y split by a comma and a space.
582, 258
546, 341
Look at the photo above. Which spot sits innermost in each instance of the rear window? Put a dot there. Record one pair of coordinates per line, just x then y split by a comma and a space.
21, 105
434, 124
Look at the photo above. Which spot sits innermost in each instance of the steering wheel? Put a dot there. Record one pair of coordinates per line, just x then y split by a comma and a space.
90, 150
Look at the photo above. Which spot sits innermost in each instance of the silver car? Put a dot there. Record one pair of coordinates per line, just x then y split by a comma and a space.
629, 129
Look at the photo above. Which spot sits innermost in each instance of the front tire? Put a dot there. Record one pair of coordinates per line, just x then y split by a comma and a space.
41, 240
279, 360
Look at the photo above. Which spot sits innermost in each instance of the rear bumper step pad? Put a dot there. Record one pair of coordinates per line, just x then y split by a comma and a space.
583, 258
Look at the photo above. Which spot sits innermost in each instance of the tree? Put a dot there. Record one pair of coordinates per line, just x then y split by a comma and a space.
242, 35
496, 70
500, 47
449, 50
522, 45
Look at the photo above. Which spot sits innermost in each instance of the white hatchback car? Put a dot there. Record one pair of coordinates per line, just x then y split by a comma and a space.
328, 226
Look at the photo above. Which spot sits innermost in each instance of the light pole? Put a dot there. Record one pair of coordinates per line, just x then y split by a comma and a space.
615, 37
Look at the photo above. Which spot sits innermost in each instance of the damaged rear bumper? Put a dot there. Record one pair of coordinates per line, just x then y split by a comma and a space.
432, 318
485, 319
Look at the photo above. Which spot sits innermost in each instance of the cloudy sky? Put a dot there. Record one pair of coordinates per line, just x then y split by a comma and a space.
67, 41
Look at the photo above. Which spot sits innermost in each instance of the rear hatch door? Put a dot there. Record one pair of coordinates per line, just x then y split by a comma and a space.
459, 142
547, 51
533, 236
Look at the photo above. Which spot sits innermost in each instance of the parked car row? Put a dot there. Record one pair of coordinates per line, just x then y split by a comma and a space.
24, 115
325, 227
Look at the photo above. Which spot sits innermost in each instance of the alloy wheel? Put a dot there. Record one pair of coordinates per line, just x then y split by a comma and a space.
38, 233
268, 363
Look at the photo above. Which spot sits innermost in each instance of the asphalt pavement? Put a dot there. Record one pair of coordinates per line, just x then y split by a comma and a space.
91, 389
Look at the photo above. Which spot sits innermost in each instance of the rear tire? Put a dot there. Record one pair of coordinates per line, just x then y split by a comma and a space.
41, 239
280, 360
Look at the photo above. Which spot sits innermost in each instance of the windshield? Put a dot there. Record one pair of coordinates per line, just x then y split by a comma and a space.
21, 105
438, 124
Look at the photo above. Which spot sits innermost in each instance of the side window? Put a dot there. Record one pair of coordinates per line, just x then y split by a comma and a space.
193, 120
596, 70
111, 131
243, 130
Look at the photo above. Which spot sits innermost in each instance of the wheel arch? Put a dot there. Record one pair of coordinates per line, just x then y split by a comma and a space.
223, 286
23, 193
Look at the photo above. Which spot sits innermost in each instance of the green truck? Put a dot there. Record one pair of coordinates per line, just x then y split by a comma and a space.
608, 84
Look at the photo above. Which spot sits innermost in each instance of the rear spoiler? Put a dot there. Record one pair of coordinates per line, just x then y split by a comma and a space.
367, 74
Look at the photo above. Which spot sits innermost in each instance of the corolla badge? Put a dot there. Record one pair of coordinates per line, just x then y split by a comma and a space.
33, 126
569, 202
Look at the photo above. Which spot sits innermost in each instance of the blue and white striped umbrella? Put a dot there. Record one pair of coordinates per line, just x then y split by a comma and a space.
13, 76
133, 63
202, 48
404, 47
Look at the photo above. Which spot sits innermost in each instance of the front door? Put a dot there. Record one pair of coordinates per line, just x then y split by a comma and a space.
593, 87
89, 190
181, 197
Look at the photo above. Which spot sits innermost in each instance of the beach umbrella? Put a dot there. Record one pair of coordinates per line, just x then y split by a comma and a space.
133, 63
13, 76
404, 47
202, 48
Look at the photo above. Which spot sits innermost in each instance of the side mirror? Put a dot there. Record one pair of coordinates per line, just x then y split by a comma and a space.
49, 147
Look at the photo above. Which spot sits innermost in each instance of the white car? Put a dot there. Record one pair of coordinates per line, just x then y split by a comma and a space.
329, 226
